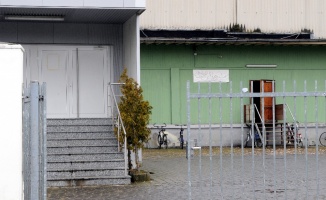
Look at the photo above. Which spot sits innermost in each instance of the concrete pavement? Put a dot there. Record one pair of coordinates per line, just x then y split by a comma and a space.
273, 176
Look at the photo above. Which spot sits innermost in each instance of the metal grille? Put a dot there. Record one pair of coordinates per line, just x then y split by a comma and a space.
280, 168
34, 141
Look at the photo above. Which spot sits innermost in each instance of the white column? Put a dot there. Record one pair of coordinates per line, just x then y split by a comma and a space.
11, 79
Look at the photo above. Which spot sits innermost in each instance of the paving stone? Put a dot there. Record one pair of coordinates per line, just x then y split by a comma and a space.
236, 177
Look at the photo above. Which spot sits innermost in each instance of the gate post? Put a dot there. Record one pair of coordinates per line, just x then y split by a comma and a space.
35, 154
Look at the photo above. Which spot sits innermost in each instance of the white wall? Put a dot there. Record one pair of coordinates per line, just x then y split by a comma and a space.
131, 47
11, 79
131, 57
271, 16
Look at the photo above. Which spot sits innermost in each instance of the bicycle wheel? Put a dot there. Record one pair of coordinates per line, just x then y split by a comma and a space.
259, 143
159, 140
322, 139
300, 143
288, 137
165, 140
243, 140
246, 140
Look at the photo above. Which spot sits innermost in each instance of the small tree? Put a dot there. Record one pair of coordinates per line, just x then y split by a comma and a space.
135, 113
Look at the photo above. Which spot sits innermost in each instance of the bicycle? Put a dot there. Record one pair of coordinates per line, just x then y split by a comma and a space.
294, 135
162, 137
255, 137
181, 140
322, 139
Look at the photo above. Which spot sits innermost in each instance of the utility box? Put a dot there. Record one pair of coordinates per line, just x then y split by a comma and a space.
11, 80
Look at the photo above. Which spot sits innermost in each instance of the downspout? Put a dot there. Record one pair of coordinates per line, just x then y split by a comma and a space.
138, 48
77, 80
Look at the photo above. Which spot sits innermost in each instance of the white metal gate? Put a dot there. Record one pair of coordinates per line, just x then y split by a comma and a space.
282, 168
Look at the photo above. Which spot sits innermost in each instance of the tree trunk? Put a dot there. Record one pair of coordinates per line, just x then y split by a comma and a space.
136, 159
129, 160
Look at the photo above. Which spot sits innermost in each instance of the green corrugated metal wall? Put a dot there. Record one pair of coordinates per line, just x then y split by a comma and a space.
165, 70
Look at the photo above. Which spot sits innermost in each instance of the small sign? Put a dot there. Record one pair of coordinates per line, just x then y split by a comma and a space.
206, 76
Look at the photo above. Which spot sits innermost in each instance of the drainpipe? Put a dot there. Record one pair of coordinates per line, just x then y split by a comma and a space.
77, 80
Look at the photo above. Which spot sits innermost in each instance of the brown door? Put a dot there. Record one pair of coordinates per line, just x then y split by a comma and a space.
266, 103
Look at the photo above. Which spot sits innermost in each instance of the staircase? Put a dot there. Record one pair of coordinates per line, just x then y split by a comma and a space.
278, 130
83, 152
273, 128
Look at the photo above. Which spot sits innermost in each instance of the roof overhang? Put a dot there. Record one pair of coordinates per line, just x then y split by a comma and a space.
222, 37
70, 15
217, 41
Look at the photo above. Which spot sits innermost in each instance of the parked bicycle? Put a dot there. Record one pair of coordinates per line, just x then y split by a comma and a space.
162, 137
255, 137
181, 140
293, 135
322, 139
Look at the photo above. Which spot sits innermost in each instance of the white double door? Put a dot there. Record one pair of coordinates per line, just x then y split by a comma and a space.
76, 79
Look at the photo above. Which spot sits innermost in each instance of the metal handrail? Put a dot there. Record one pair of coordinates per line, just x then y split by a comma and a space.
264, 128
294, 120
120, 124
291, 113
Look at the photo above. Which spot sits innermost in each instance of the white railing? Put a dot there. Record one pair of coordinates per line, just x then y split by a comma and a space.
294, 120
117, 120
262, 137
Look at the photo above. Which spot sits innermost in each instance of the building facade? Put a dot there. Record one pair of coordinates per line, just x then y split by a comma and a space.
282, 41
77, 47
63, 39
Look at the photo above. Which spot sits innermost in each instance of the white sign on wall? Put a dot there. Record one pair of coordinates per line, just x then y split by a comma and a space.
206, 76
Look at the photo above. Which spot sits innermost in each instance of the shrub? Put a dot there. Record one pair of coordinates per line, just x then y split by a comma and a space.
135, 113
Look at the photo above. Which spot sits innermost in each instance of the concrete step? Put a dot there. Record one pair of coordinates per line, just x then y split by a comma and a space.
84, 157
85, 173
85, 135
79, 129
90, 181
81, 150
271, 132
82, 143
94, 165
79, 121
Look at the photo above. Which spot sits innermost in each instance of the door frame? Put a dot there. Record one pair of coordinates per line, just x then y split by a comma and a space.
33, 55
268, 115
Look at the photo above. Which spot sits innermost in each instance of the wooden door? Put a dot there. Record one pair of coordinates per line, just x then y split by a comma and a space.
266, 103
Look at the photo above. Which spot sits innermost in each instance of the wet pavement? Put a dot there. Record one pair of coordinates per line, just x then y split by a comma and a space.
221, 176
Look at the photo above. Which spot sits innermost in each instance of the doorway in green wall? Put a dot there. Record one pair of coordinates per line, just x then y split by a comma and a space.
264, 104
